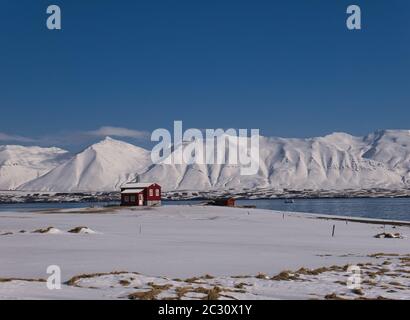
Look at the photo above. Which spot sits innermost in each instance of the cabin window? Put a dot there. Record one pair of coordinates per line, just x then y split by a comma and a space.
132, 198
126, 199
151, 192
140, 197
157, 192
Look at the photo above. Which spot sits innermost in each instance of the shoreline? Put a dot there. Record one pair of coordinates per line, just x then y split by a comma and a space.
384, 209
15, 196
400, 218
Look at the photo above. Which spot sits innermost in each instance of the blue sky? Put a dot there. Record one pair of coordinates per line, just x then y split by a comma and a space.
290, 68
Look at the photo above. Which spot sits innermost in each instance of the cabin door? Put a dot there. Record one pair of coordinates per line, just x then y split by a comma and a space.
140, 199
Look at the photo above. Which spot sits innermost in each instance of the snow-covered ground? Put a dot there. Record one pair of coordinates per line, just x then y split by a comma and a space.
166, 252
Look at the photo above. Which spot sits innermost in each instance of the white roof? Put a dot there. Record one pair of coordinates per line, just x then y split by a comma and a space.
137, 185
132, 191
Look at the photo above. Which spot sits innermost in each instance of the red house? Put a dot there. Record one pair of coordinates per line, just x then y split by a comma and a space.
225, 202
140, 194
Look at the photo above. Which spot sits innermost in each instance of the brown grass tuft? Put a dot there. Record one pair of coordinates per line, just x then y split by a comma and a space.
382, 254
145, 295
73, 281
213, 294
45, 230
285, 276
192, 280
181, 291
358, 291
261, 275
160, 286
21, 279
240, 285
124, 283
333, 296
77, 229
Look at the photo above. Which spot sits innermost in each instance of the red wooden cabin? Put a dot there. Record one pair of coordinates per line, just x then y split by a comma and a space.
140, 194
225, 202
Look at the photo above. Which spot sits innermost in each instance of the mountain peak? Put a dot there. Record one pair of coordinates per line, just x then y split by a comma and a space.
109, 144
103, 166
108, 139
335, 161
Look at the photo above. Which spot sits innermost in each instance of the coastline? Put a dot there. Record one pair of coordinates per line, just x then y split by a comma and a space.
14, 196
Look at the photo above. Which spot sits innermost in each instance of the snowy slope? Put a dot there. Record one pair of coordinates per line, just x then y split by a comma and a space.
336, 161
103, 166
392, 148
20, 164
191, 241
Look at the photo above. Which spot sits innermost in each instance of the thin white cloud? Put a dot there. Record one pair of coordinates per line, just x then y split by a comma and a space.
76, 138
118, 132
15, 138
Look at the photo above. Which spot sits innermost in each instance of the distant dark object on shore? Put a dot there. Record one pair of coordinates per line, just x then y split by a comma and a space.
228, 202
388, 235
223, 202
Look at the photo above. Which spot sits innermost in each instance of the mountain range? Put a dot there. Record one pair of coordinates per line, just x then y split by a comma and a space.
336, 161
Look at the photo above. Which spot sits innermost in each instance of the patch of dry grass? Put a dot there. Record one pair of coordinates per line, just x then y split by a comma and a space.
369, 282
377, 298
73, 281
181, 291
44, 230
240, 285
124, 283
3, 280
405, 259
315, 272
262, 276
382, 254
213, 294
145, 295
209, 294
334, 296
77, 229
358, 291
194, 280
285, 276
241, 277
160, 286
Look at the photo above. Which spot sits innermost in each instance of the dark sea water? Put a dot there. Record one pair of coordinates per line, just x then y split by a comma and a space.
376, 208
380, 208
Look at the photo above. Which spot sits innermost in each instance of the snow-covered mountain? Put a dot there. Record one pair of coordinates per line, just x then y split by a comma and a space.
20, 164
336, 161
103, 166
